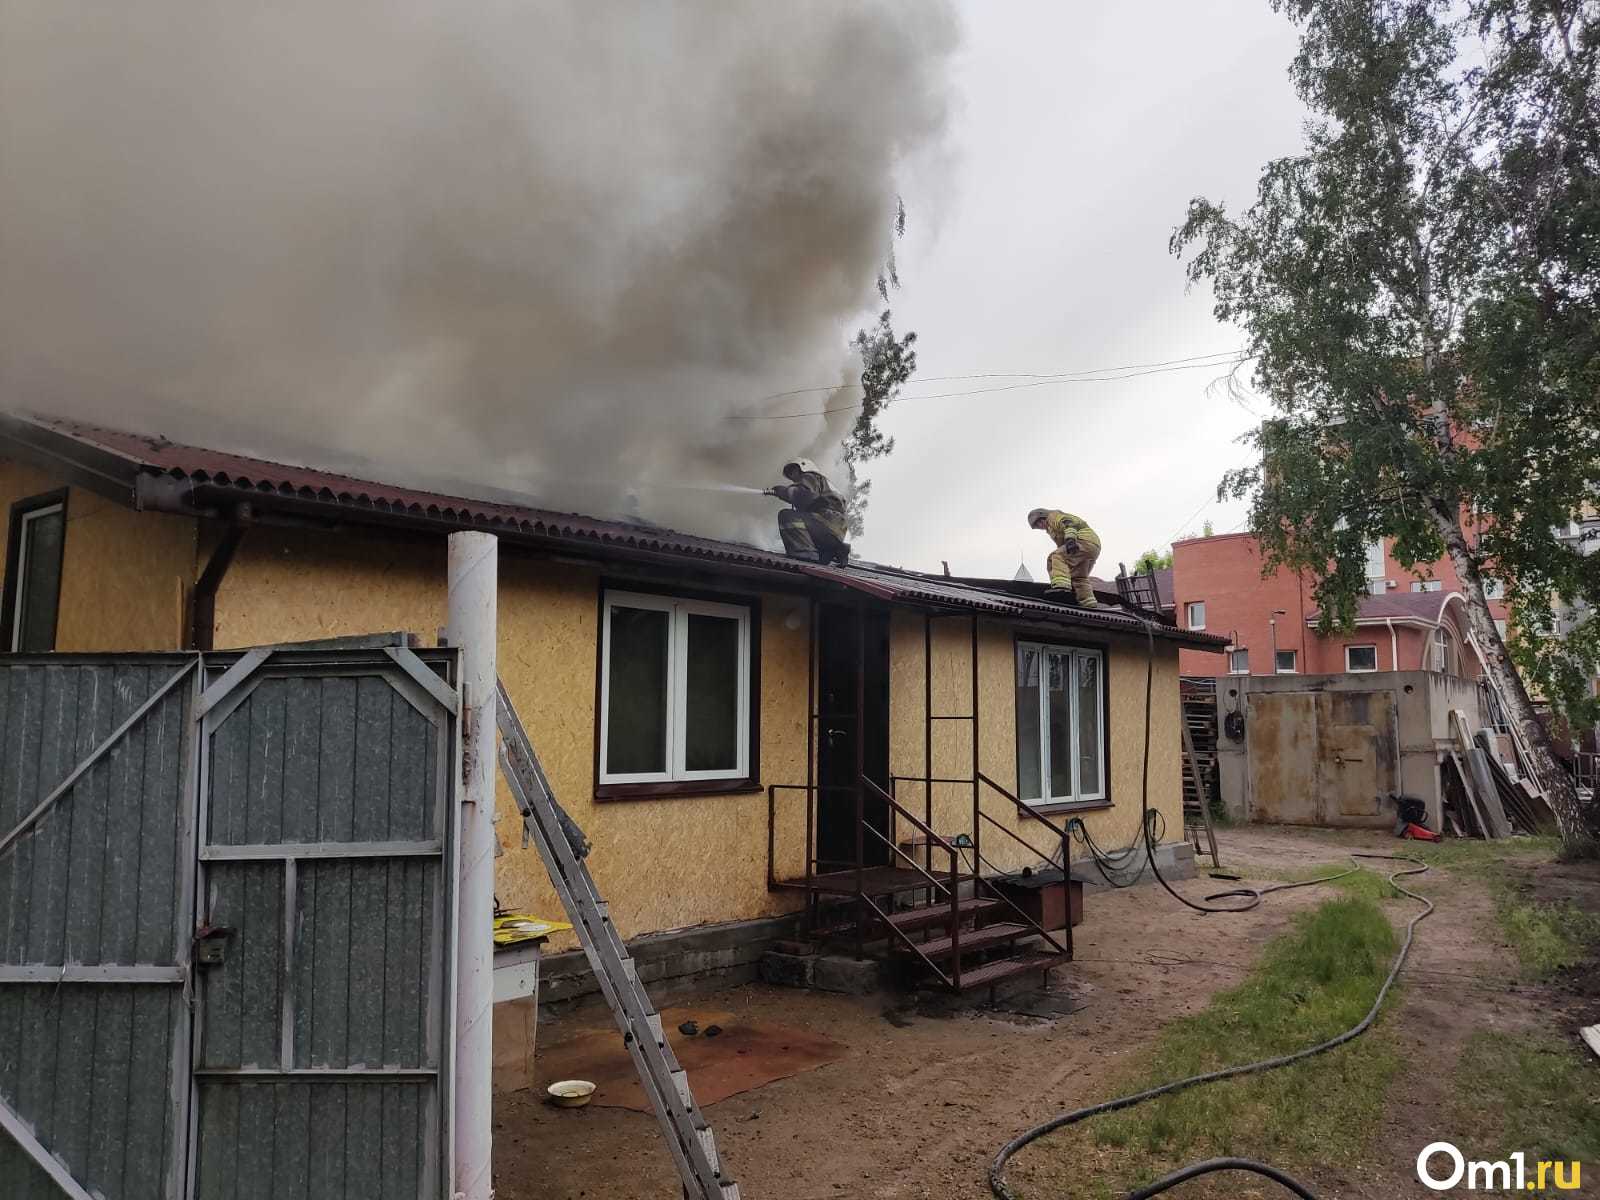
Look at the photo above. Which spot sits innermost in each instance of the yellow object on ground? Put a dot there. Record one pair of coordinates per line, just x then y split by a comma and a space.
511, 928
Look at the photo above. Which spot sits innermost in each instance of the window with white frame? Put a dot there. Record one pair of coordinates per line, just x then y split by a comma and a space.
1427, 585
1360, 658
1288, 662
1196, 614
1493, 589
1377, 566
1061, 754
1445, 658
674, 690
1238, 662
1502, 629
33, 580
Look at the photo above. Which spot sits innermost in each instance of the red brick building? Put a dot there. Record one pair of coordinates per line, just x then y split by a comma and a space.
1407, 623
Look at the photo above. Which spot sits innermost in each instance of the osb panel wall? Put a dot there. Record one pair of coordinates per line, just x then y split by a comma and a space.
662, 864
124, 574
952, 740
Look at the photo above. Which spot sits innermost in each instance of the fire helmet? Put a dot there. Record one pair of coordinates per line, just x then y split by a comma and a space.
1037, 515
799, 466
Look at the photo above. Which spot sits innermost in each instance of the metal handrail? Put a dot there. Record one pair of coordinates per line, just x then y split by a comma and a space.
1014, 907
933, 880
907, 814
1016, 837
906, 938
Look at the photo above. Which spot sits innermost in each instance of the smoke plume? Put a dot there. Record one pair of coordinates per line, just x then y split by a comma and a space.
552, 247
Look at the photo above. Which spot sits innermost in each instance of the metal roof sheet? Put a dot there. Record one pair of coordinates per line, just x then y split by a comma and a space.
209, 478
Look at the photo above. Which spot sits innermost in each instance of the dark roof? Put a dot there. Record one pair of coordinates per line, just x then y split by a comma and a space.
1413, 606
155, 473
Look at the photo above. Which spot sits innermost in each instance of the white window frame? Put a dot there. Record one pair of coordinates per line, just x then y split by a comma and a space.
1074, 655
20, 591
1232, 669
1442, 645
1503, 628
680, 610
1373, 646
1188, 614
1379, 569
1294, 657
1493, 589
1427, 585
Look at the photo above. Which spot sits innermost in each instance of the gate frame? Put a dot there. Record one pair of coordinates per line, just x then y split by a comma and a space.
411, 678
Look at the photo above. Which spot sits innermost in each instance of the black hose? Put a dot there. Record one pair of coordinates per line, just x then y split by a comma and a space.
997, 1183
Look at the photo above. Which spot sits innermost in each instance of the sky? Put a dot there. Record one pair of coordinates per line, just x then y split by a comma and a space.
1078, 135
568, 250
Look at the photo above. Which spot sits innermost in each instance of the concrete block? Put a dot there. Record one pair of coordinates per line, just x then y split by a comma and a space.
832, 973
788, 970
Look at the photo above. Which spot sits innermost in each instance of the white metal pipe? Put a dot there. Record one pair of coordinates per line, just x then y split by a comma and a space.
473, 572
1394, 646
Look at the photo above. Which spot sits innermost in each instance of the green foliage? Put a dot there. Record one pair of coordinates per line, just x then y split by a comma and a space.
1152, 560
888, 360
1420, 288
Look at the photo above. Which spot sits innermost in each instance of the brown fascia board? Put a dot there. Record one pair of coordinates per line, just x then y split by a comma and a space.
99, 471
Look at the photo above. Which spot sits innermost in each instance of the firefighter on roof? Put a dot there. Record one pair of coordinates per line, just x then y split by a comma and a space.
1077, 548
814, 526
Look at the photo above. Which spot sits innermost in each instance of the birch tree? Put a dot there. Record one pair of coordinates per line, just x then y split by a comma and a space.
1420, 287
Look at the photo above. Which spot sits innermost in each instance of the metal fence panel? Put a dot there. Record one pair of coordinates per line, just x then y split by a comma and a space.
321, 1047
90, 1003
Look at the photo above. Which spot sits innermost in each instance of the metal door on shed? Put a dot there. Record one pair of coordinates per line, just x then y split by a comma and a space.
321, 1047
1321, 758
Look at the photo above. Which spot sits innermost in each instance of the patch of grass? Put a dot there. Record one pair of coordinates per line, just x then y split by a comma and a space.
1548, 938
1473, 854
1312, 983
1532, 1092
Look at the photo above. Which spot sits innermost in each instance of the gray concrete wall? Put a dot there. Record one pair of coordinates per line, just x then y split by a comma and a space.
1423, 700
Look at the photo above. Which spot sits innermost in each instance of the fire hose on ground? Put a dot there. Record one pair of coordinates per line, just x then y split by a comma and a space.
1248, 898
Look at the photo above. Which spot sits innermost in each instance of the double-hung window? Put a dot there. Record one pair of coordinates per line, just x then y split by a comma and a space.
1061, 751
33, 576
675, 682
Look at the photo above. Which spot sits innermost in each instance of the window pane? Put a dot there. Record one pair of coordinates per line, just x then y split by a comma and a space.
1089, 725
1286, 660
1239, 661
1361, 658
39, 590
1059, 735
1028, 750
636, 681
711, 732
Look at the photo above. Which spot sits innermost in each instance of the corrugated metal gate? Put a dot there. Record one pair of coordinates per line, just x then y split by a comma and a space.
293, 808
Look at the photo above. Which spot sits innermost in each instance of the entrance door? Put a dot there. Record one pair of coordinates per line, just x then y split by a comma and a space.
839, 667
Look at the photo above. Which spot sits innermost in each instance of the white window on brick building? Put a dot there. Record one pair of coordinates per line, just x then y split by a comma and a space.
1360, 658
1238, 662
1195, 614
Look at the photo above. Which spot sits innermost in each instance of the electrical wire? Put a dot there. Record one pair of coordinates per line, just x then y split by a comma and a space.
1169, 362
997, 1183
1012, 387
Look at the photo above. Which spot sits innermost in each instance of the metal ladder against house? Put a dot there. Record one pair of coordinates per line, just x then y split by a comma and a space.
563, 847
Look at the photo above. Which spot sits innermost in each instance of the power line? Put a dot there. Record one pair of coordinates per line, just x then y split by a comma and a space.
1218, 354
1042, 382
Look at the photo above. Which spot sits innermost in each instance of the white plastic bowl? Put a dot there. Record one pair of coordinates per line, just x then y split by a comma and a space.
570, 1093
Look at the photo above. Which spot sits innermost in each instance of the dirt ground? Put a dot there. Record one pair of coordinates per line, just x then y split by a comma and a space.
922, 1101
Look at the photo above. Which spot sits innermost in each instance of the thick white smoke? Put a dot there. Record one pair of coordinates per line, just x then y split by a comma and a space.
546, 246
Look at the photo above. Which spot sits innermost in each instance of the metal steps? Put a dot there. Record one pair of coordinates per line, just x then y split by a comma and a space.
937, 915
1002, 969
563, 847
970, 942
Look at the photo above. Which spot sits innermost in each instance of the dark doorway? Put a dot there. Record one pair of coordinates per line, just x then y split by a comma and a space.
840, 634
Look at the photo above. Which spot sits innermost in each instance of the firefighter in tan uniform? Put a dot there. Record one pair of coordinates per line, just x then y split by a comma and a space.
1077, 548
814, 527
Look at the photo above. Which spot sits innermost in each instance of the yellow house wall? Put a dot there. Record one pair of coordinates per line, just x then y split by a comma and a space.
124, 574
952, 740
662, 863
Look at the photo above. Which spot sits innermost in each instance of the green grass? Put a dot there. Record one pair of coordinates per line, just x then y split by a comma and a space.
1529, 1092
1370, 883
1548, 938
1312, 983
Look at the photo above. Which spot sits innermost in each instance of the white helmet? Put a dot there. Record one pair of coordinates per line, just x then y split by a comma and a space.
801, 465
1036, 515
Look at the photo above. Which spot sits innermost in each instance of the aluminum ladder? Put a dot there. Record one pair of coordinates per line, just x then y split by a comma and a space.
563, 847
